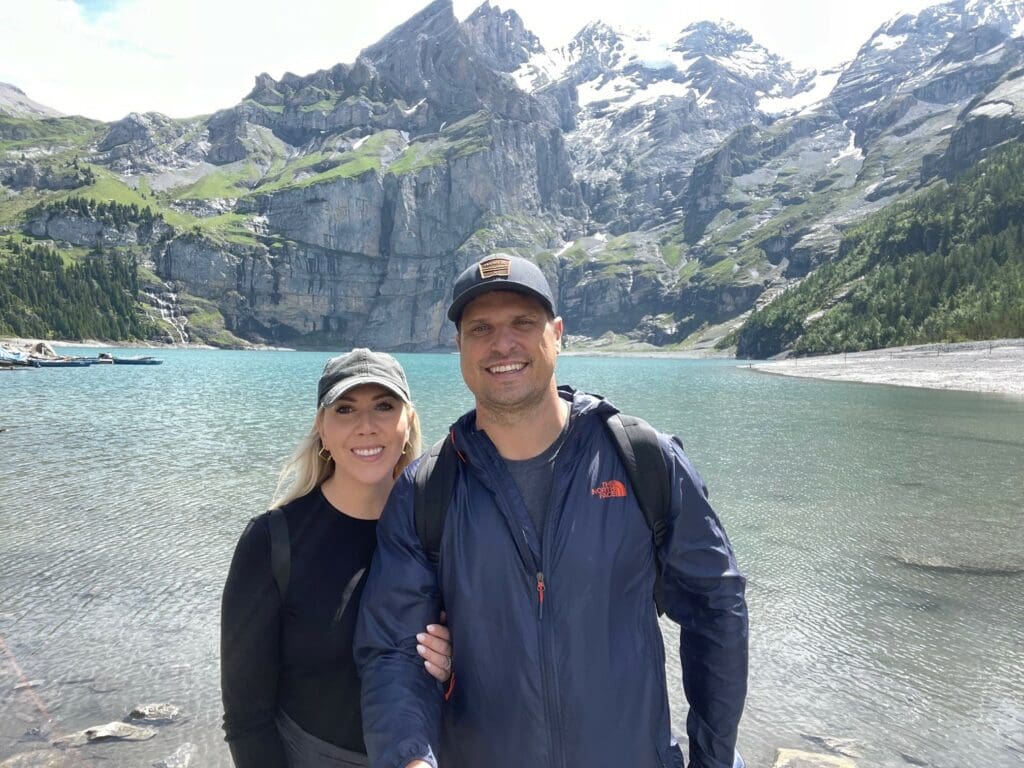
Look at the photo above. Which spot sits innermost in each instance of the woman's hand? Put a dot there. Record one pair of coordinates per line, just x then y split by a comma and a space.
435, 647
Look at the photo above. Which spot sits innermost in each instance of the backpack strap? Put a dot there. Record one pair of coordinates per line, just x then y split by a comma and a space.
434, 483
640, 450
280, 550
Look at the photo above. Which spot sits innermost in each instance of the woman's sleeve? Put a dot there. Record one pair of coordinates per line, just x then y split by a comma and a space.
250, 653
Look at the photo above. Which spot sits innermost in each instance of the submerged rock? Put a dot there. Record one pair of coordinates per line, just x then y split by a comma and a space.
911, 759
796, 758
153, 713
944, 565
116, 731
845, 747
38, 758
182, 757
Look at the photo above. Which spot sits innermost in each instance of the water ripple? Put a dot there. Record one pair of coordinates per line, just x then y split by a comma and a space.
123, 493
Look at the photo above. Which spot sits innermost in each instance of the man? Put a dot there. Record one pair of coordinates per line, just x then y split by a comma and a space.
547, 571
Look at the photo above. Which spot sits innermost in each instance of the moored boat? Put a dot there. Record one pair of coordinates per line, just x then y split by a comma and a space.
70, 362
13, 358
138, 360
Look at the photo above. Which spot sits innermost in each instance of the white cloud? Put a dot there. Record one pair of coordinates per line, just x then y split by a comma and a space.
186, 57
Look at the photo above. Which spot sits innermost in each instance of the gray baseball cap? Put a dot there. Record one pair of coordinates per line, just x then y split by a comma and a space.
358, 367
500, 272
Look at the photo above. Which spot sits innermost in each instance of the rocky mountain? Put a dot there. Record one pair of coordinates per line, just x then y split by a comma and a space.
646, 106
14, 103
666, 187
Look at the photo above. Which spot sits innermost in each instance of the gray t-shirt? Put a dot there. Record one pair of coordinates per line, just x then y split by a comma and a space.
535, 477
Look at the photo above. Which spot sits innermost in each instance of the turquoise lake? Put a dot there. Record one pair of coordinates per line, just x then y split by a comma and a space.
881, 530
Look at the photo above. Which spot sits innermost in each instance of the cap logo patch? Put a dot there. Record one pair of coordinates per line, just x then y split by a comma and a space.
496, 267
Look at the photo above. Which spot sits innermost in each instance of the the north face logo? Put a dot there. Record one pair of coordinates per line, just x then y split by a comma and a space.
609, 489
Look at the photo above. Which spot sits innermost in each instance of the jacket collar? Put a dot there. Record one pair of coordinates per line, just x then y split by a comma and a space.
466, 436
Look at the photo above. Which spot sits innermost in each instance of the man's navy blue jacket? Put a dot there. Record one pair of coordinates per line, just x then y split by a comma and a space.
572, 674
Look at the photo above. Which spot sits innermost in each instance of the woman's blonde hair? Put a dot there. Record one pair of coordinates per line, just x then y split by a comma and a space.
307, 469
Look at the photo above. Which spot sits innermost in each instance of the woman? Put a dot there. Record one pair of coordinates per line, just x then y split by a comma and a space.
289, 684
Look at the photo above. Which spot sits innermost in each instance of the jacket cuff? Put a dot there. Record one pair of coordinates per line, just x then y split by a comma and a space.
409, 751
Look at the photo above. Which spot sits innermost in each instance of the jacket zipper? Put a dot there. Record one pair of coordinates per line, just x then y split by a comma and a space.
551, 710
540, 595
549, 672
556, 730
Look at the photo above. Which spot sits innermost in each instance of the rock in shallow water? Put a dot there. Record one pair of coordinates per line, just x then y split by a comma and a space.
39, 758
796, 758
182, 757
154, 713
115, 731
940, 564
845, 747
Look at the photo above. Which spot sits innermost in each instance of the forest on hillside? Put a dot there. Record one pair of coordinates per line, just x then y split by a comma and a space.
945, 266
93, 298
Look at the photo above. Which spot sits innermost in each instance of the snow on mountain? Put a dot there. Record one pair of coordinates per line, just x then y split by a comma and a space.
936, 56
542, 69
1003, 14
647, 104
819, 89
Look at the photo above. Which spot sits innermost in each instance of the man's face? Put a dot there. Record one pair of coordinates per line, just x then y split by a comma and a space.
507, 351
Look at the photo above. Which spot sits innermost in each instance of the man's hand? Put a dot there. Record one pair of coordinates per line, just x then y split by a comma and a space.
418, 764
435, 647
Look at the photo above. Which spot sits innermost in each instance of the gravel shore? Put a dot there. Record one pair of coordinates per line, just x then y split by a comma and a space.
975, 366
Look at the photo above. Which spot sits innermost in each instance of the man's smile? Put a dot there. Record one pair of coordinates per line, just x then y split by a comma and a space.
506, 368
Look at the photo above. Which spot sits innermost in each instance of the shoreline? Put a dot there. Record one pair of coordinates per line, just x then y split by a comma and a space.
16, 342
575, 351
987, 367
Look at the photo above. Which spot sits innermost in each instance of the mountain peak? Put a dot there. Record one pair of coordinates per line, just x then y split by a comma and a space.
717, 38
501, 36
436, 21
15, 103
596, 32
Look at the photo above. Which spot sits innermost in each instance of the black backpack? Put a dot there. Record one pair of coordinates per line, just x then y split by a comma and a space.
637, 444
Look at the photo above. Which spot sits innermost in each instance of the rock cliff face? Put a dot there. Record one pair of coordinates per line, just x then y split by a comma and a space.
14, 103
664, 186
648, 110
85, 231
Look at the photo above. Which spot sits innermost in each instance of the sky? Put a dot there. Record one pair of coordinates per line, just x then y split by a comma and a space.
106, 58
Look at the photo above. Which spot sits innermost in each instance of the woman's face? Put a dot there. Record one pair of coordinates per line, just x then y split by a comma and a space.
365, 430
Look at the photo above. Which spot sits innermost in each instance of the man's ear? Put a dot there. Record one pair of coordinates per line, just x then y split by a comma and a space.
559, 330
458, 340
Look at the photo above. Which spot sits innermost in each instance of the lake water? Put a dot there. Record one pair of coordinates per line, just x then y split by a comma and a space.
123, 490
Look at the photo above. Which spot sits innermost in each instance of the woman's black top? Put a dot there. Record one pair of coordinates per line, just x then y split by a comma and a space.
297, 654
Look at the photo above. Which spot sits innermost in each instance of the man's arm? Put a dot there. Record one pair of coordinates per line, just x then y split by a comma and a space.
401, 701
704, 594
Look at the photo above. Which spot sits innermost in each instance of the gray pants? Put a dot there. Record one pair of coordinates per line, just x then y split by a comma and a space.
304, 750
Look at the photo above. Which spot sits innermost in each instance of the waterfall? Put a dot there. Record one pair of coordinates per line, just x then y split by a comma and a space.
165, 303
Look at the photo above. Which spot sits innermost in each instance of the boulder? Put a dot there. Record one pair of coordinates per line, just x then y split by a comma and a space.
153, 713
115, 731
